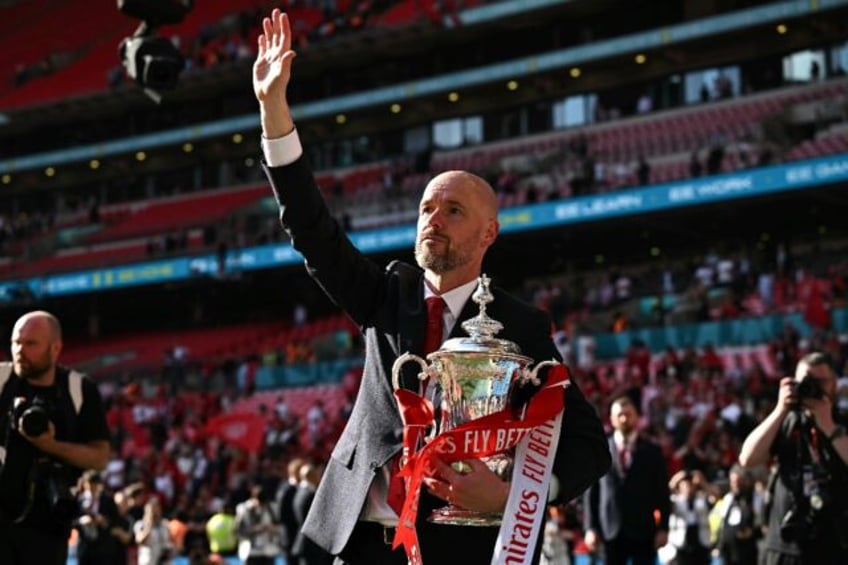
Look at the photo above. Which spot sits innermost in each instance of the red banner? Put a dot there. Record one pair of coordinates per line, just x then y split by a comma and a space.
242, 429
478, 438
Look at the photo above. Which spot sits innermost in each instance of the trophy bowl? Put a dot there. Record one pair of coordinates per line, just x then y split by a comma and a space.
475, 377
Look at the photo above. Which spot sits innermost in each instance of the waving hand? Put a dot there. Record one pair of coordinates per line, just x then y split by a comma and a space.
271, 73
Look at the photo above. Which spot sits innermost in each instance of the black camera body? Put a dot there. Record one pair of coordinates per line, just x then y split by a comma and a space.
33, 417
51, 478
809, 387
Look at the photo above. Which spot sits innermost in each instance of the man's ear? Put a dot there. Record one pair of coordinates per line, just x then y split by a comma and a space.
56, 349
492, 230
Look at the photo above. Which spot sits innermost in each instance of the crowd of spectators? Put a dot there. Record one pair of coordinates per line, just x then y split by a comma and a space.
731, 284
232, 38
164, 451
697, 403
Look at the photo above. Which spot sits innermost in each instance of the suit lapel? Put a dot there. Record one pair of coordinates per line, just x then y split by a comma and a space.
635, 451
412, 327
616, 459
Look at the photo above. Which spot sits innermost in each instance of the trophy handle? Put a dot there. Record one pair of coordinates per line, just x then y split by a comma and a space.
531, 376
423, 375
401, 361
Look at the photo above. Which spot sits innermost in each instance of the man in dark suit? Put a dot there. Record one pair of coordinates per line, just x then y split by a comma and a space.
285, 506
304, 550
627, 510
350, 515
99, 517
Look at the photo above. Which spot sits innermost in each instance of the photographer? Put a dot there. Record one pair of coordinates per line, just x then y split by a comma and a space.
153, 537
688, 523
807, 522
52, 427
258, 529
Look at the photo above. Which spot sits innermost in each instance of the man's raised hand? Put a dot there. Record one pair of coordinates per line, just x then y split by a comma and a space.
272, 68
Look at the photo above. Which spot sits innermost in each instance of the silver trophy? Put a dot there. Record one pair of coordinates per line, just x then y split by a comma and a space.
476, 376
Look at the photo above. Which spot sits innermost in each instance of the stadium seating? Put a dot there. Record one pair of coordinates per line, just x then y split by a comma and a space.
145, 350
39, 30
667, 138
34, 30
93, 40
672, 132
96, 256
743, 356
180, 212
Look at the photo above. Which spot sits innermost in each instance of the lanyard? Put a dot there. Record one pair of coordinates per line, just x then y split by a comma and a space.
815, 454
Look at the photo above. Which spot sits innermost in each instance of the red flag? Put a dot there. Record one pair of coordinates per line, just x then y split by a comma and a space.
242, 429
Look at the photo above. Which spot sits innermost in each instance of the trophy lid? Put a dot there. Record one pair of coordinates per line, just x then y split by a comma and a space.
481, 330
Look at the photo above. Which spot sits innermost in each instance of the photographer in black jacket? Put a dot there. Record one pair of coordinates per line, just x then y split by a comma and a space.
52, 427
807, 523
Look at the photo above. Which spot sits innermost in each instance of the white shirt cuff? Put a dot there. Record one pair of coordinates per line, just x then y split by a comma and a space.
282, 151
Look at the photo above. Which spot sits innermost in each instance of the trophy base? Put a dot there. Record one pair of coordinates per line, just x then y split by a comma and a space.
453, 516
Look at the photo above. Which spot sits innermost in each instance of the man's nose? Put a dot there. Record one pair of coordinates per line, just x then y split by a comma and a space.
435, 220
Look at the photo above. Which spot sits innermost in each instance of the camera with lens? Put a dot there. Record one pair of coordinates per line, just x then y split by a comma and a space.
809, 387
30, 417
51, 478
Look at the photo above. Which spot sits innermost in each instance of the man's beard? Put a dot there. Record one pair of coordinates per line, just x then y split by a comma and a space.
440, 263
31, 370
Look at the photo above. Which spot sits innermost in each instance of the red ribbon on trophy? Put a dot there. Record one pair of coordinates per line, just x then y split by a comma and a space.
482, 437
417, 415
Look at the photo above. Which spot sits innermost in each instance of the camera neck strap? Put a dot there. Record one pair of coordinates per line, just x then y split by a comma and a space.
813, 446
9, 389
819, 446
31, 485
803, 434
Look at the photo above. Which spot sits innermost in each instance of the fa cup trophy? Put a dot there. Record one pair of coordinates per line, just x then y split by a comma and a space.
475, 377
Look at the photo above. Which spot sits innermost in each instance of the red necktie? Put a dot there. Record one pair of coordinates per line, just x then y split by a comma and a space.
432, 341
624, 457
435, 324
435, 329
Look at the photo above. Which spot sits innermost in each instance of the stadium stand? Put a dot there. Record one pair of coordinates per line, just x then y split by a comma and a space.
667, 139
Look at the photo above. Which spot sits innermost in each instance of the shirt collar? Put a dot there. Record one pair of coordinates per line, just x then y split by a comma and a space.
621, 440
454, 298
